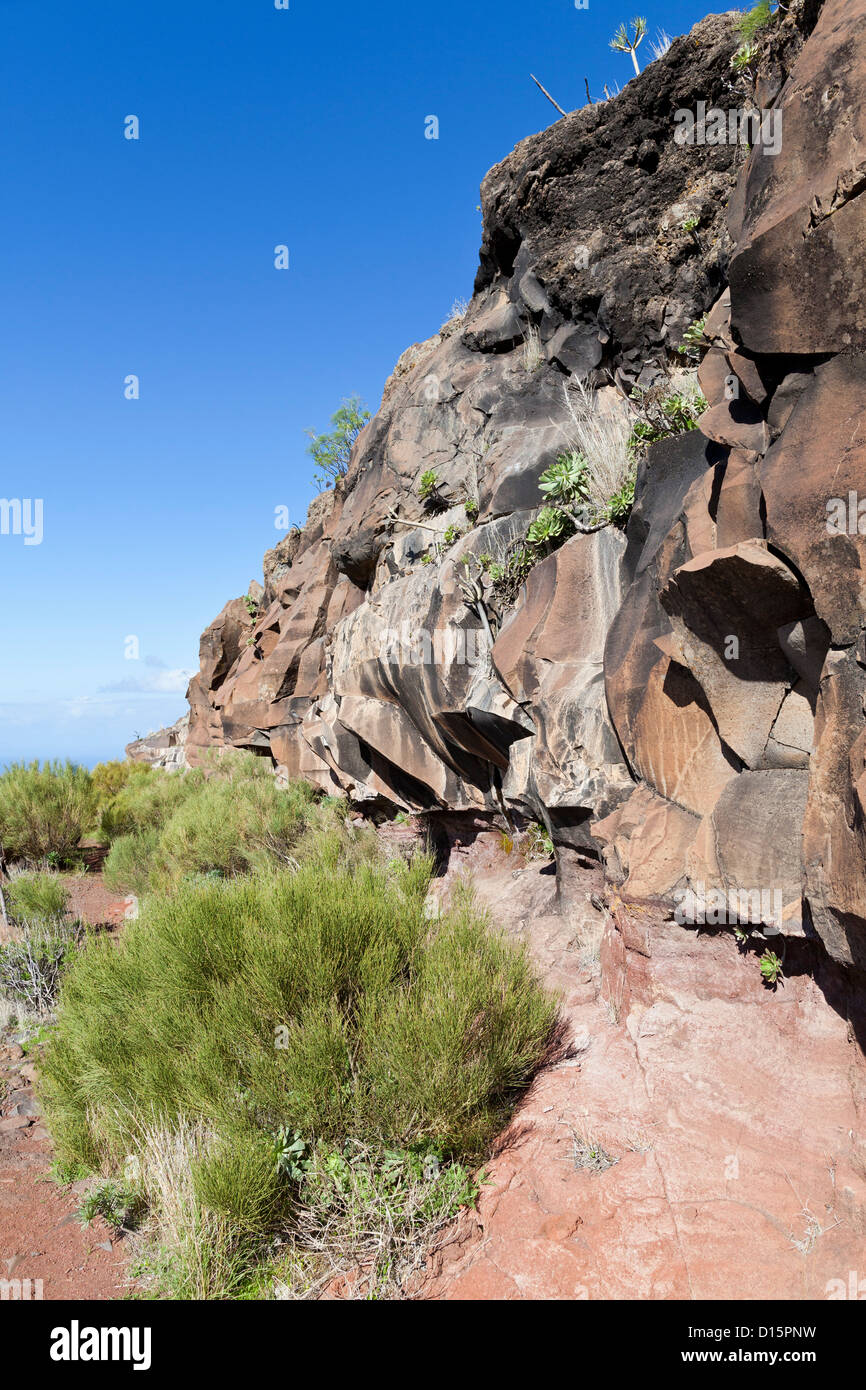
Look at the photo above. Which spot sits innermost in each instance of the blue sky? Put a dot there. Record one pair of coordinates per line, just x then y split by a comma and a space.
258, 127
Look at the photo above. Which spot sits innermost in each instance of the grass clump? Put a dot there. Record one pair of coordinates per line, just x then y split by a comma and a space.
246, 1040
44, 810
753, 21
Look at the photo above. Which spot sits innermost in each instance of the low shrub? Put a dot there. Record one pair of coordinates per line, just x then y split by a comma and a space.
44, 810
232, 826
133, 863
147, 802
36, 897
111, 778
237, 1022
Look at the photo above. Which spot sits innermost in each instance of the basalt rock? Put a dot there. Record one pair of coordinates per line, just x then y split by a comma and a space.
683, 696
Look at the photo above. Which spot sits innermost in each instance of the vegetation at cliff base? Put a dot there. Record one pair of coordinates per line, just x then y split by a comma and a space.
266, 1035
283, 1069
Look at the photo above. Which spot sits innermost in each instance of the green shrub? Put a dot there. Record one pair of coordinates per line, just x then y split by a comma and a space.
133, 863
110, 778
428, 485
549, 525
325, 1004
147, 802
36, 897
233, 826
565, 480
44, 810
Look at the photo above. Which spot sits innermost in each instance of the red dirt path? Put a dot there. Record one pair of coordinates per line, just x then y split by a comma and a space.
41, 1237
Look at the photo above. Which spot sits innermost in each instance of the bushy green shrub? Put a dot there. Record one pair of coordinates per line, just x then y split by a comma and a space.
110, 778
44, 810
146, 802
36, 897
234, 826
133, 863
331, 451
322, 1003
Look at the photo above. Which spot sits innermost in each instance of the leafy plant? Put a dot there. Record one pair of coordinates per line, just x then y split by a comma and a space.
252, 605
292, 1154
663, 414
744, 56
693, 339
450, 535
771, 967
471, 509
331, 451
621, 43
428, 485
118, 1204
508, 576
547, 526
621, 503
538, 844
565, 480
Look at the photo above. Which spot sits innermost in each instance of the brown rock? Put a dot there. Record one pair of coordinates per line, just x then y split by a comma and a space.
798, 280
820, 457
725, 608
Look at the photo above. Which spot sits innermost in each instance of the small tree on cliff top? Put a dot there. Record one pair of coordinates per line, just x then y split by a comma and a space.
621, 43
331, 451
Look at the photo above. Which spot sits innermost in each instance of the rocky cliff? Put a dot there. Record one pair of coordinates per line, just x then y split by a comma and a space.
682, 697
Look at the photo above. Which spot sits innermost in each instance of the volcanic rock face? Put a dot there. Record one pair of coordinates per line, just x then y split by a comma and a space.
685, 699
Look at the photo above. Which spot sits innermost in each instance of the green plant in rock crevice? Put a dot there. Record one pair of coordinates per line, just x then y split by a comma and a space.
331, 451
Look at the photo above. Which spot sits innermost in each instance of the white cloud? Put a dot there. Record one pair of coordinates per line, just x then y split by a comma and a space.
156, 683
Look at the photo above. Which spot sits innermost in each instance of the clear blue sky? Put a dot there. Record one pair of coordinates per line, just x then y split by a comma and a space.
155, 257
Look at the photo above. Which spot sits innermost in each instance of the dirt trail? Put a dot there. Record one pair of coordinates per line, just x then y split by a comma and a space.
41, 1238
